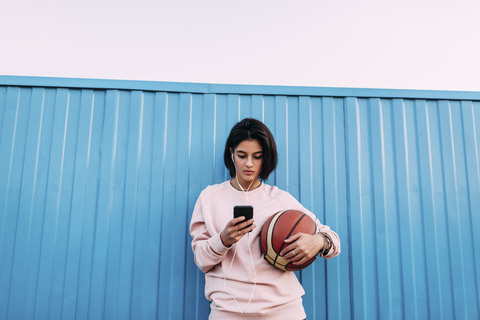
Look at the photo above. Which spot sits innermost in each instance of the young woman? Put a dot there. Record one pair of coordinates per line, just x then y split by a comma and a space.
239, 282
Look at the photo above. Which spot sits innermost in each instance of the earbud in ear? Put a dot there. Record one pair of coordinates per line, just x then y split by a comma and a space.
232, 158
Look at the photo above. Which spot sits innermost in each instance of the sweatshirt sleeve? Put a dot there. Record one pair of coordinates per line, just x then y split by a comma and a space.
335, 251
208, 250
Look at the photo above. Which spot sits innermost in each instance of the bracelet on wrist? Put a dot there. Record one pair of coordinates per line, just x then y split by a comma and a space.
327, 244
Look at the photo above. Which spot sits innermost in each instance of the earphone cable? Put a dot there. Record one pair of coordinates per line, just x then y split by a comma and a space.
235, 251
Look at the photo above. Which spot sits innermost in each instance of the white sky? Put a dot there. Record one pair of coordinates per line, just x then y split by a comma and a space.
407, 44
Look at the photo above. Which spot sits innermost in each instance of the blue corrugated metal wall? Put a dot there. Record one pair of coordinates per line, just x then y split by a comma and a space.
98, 180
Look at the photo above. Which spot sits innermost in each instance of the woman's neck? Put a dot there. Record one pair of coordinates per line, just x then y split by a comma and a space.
246, 186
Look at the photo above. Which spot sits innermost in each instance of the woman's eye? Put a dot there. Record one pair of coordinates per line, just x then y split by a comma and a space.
258, 158
241, 157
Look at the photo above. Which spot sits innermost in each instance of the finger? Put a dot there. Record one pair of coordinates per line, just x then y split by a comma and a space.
244, 224
287, 249
300, 261
293, 256
244, 231
304, 259
293, 238
238, 234
248, 229
237, 220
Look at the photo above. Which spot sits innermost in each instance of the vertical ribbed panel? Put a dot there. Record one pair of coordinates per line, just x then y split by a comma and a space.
97, 187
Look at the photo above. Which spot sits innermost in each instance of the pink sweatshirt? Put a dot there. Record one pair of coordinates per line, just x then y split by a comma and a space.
278, 294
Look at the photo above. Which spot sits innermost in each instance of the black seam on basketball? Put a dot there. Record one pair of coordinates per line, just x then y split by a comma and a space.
296, 223
281, 247
286, 266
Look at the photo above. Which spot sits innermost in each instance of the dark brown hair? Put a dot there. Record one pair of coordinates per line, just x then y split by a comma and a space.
252, 129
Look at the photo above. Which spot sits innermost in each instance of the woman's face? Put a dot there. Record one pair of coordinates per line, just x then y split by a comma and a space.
248, 161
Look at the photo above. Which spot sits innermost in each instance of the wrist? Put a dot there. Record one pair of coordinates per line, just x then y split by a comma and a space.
226, 245
327, 244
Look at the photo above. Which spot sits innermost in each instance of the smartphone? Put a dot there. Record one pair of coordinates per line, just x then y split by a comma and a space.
246, 211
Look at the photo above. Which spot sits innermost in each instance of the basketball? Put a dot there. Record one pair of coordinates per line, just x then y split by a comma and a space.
279, 227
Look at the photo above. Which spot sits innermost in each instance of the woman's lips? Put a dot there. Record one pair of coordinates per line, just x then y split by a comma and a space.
249, 172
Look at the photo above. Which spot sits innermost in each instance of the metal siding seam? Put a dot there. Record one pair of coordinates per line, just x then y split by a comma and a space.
97, 121
473, 177
52, 204
87, 122
444, 157
424, 149
16, 183
100, 249
257, 107
183, 174
197, 148
406, 187
394, 232
328, 172
38, 105
337, 291
209, 133
306, 175
269, 120
7, 236
353, 152
49, 107
245, 106
158, 145
419, 225
75, 223
167, 294
134, 210
471, 294
280, 134
440, 210
460, 188
71, 166
3, 97
117, 205
69, 233
388, 257
368, 208
378, 171
60, 239
361, 212
395, 104
293, 154
142, 266
320, 142
455, 247
226, 115
144, 290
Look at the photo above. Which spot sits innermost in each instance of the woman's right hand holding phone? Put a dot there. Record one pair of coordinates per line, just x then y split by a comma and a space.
235, 230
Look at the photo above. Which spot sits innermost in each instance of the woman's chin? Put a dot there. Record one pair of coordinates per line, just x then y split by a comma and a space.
247, 181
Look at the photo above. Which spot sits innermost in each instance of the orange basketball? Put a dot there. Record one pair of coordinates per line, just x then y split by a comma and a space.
279, 227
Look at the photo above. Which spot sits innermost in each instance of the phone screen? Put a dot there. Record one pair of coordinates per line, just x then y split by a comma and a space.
246, 211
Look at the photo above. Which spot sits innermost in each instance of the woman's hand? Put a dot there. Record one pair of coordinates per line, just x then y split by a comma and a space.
232, 232
301, 247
